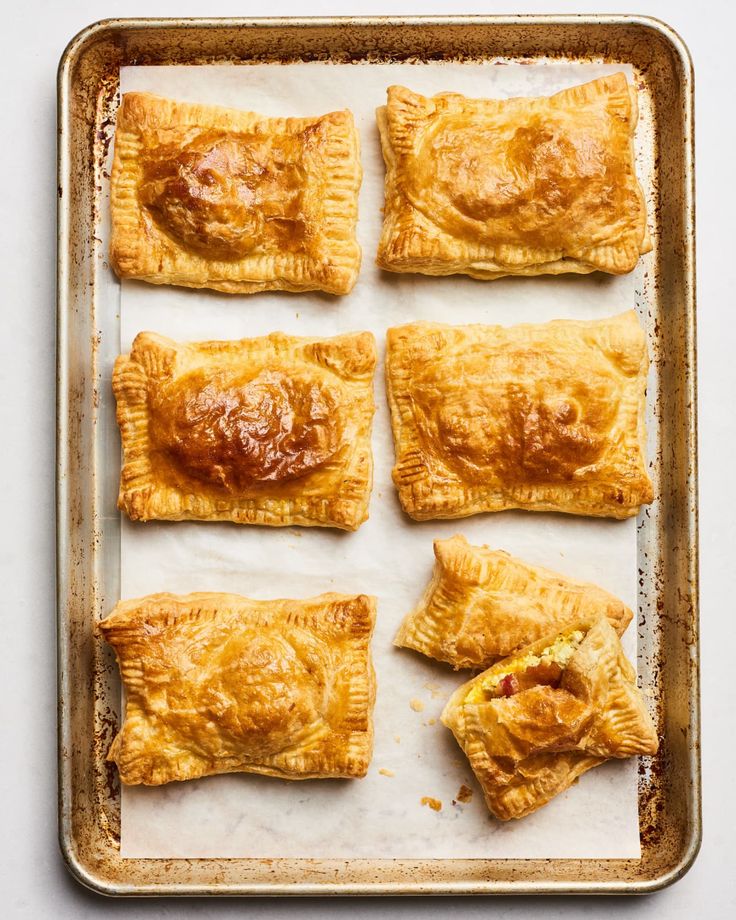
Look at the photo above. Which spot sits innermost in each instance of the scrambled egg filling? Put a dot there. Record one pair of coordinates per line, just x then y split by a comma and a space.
557, 654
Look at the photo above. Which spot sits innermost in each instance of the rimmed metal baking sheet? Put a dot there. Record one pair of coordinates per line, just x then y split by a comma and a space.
88, 526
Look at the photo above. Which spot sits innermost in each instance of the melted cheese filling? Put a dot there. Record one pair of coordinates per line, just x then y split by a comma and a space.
559, 653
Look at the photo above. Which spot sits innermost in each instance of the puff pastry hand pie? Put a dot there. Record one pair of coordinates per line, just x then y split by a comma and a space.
544, 417
273, 430
482, 604
203, 196
533, 723
494, 187
217, 683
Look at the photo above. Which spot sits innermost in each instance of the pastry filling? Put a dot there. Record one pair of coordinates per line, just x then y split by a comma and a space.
537, 180
544, 429
222, 196
544, 669
237, 434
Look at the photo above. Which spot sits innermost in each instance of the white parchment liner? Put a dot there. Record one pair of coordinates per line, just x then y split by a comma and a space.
390, 556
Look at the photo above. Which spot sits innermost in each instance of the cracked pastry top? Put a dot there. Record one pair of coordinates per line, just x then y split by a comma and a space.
544, 417
525, 186
483, 604
209, 197
534, 722
272, 430
218, 683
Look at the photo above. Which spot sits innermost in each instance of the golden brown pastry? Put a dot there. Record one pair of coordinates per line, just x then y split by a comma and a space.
483, 604
217, 683
534, 722
544, 417
204, 196
527, 186
273, 430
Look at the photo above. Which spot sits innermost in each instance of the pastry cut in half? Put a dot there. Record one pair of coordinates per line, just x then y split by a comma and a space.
524, 186
272, 430
483, 604
218, 683
534, 722
545, 417
209, 197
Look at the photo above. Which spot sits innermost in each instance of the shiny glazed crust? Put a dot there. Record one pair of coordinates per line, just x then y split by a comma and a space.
218, 683
543, 417
526, 748
483, 604
272, 430
525, 186
209, 197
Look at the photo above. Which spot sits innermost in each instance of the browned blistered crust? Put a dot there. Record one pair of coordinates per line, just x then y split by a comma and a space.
544, 417
528, 747
204, 196
272, 430
482, 604
218, 683
525, 186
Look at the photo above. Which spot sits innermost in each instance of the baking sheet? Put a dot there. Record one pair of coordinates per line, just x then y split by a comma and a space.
390, 556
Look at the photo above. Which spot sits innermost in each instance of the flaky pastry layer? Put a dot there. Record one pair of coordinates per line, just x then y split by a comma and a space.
524, 186
530, 745
218, 683
209, 197
272, 430
544, 417
483, 604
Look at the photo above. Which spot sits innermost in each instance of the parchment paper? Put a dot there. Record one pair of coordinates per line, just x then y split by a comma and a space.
390, 556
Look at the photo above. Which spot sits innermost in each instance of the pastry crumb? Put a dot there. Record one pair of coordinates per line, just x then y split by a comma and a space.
397, 739
434, 689
417, 705
385, 772
463, 794
434, 804
431, 721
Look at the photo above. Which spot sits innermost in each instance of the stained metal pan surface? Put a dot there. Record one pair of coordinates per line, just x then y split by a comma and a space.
89, 527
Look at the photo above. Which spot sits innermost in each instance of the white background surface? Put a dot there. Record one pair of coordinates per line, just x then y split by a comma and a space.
33, 881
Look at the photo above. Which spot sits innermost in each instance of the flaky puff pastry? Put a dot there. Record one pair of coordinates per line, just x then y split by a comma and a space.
534, 722
543, 417
272, 430
526, 186
209, 197
483, 604
218, 683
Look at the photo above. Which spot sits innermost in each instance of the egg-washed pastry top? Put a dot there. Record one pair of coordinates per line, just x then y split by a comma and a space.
210, 197
482, 604
545, 417
272, 430
524, 186
534, 722
218, 683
